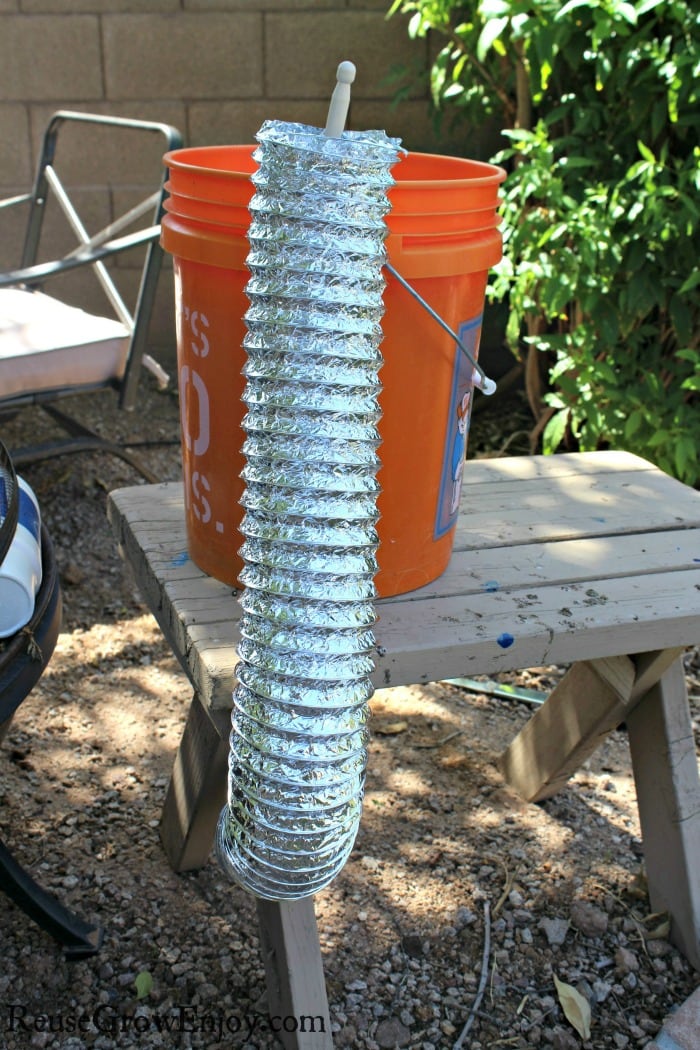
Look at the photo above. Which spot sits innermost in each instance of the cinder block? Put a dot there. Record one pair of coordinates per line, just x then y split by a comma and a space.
412, 121
161, 335
15, 168
222, 123
264, 5
185, 56
97, 6
50, 57
13, 223
304, 48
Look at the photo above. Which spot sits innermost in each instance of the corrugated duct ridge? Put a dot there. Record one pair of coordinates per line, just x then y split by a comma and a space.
300, 708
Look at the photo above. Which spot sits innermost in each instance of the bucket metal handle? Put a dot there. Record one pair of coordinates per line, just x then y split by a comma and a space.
481, 380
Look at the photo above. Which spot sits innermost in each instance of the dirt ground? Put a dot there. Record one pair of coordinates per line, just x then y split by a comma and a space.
454, 882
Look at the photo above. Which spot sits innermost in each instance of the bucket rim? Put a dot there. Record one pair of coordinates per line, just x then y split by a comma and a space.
174, 159
492, 173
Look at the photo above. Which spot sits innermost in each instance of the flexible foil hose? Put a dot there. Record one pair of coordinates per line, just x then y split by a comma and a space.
300, 707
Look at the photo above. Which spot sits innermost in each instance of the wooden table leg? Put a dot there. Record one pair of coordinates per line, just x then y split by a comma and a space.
294, 968
197, 790
648, 693
668, 794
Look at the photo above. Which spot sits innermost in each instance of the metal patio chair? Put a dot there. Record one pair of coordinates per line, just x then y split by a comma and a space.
51, 349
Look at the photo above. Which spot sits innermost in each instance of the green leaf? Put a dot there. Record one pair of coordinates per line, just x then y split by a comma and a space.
489, 34
690, 282
634, 422
570, 6
684, 455
681, 318
627, 12
646, 152
648, 5
144, 984
494, 8
554, 431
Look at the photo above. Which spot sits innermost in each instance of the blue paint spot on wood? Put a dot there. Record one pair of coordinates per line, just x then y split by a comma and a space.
505, 640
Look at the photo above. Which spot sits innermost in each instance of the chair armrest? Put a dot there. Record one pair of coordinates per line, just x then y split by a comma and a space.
39, 272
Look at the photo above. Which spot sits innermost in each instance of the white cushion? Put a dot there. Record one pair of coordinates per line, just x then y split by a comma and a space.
46, 345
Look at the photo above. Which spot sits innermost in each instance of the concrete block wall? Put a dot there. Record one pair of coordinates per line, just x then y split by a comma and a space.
214, 68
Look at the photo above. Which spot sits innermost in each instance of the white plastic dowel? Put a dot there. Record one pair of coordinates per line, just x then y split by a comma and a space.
340, 100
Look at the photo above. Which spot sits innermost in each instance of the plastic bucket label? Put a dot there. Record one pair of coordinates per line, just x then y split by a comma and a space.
459, 416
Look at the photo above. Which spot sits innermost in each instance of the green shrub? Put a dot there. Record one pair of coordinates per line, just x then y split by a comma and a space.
598, 101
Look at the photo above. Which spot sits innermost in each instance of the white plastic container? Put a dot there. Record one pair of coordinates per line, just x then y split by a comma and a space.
20, 572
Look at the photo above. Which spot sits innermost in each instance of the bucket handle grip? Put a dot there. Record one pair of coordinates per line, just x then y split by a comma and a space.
480, 379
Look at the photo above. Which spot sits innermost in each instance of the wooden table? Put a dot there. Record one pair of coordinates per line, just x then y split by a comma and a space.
588, 559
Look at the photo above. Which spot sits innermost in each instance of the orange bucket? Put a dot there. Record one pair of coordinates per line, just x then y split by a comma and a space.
443, 238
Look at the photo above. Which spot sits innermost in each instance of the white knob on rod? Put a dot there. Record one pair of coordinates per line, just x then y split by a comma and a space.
340, 100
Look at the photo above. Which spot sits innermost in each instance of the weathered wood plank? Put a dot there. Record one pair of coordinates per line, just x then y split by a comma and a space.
496, 515
588, 703
528, 566
449, 638
665, 769
581, 464
562, 499
196, 793
294, 970
455, 637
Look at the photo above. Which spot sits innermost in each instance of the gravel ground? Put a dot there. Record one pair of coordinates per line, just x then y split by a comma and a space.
448, 861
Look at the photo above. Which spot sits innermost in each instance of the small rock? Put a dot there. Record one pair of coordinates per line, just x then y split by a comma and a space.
555, 930
588, 919
346, 1038
564, 1040
658, 948
464, 917
371, 863
412, 944
626, 961
72, 574
391, 1033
